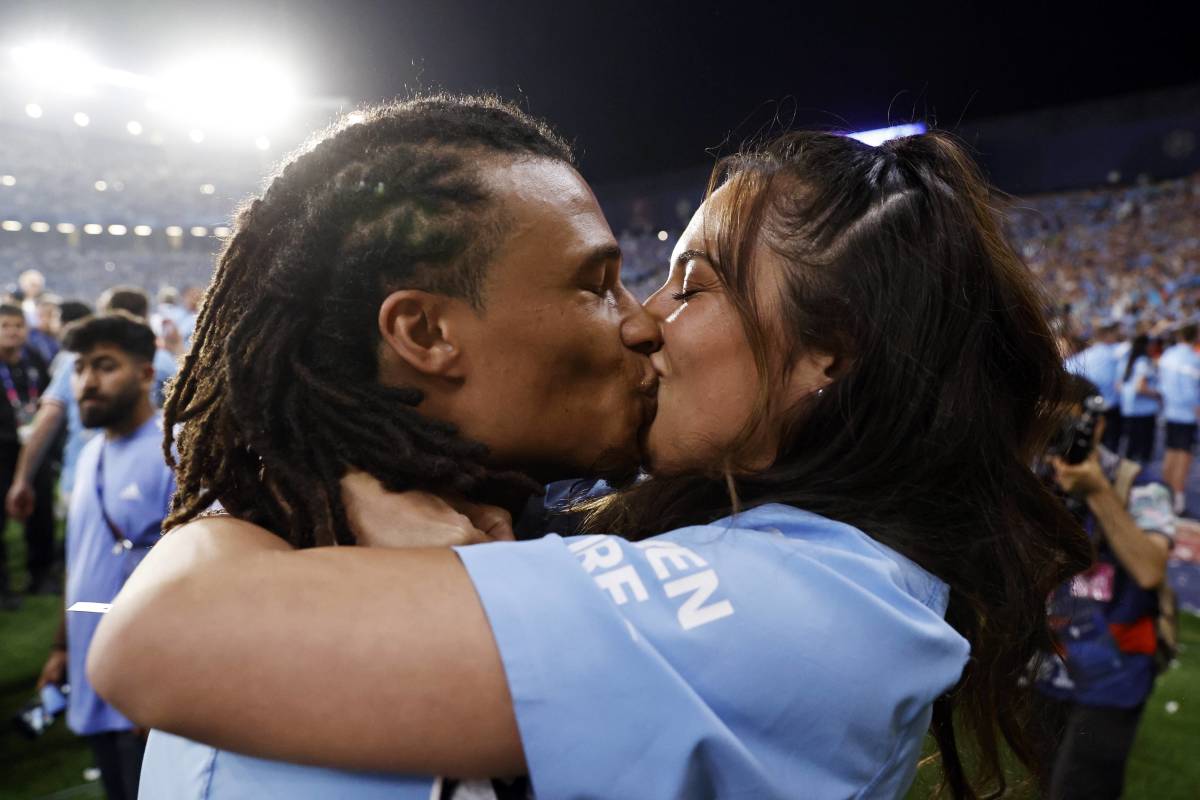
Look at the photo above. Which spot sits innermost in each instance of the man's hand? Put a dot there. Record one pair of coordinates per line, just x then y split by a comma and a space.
1086, 478
380, 518
55, 669
20, 500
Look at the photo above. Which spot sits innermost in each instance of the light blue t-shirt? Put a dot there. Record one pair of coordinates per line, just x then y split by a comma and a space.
61, 392
776, 655
1132, 403
1179, 374
1099, 364
137, 489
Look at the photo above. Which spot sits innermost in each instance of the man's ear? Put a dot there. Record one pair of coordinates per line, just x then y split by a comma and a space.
149, 374
418, 328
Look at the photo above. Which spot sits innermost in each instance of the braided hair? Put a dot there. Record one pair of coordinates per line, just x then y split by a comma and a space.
279, 395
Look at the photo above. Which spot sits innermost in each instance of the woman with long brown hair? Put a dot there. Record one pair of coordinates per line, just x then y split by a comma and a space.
854, 378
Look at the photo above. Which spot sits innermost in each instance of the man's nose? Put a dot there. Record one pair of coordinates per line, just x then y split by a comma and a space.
639, 330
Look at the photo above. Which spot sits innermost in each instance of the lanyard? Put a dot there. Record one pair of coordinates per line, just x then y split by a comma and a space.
121, 542
10, 387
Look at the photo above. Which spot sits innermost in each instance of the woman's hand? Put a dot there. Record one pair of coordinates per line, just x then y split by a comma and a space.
380, 518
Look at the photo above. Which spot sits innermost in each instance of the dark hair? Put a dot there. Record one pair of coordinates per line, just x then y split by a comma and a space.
125, 298
1188, 332
279, 394
946, 385
1139, 347
11, 310
119, 329
71, 310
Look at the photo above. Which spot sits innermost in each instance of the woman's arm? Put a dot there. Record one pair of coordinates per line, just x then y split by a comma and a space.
373, 658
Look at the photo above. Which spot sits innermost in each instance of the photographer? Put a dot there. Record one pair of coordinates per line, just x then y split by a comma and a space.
1104, 619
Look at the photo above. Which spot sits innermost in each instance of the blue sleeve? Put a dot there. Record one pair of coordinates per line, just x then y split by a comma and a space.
709, 664
60, 389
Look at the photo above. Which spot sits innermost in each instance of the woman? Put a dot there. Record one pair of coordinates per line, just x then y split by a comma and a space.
854, 376
1140, 400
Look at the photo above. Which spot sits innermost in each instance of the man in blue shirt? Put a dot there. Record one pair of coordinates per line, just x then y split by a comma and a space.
1100, 364
122, 493
1179, 376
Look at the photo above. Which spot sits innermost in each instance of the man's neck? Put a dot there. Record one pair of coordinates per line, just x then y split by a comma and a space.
10, 355
142, 412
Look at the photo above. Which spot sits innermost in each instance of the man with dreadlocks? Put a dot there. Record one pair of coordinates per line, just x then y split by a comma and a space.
440, 259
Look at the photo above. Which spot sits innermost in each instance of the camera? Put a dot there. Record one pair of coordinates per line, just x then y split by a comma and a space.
1075, 441
40, 712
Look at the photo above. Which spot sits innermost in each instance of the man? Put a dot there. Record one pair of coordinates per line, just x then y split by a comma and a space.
123, 491
1100, 364
1105, 619
58, 406
135, 301
480, 282
23, 378
43, 336
32, 284
1179, 375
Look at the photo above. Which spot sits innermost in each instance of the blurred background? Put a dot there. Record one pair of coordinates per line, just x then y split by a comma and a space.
130, 131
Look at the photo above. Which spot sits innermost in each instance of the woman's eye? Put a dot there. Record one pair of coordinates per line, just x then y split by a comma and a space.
684, 295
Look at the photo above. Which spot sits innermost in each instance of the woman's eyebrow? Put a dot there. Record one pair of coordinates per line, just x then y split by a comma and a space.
691, 255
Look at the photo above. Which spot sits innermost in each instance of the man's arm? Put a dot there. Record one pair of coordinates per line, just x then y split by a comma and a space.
1144, 555
369, 658
55, 669
45, 426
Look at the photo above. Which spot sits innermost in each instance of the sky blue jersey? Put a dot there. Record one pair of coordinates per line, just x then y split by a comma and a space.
771, 654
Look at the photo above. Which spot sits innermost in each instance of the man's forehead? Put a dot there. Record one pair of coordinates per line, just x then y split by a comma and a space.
553, 222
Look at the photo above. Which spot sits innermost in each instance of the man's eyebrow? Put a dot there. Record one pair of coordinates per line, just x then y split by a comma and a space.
600, 255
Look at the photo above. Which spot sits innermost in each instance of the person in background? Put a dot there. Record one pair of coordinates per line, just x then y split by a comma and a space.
192, 296
1179, 371
135, 301
43, 336
1104, 619
32, 284
1140, 400
125, 489
23, 378
58, 406
1100, 364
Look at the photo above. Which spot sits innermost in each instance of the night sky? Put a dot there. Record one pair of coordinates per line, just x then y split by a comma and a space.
648, 87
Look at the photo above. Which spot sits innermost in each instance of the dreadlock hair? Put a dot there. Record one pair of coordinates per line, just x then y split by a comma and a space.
279, 395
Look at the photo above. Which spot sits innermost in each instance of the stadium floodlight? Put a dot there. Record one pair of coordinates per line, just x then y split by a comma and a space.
199, 231
101, 186
663, 236
142, 230
93, 229
262, 143
10, 225
65, 227
134, 127
207, 188
56, 65
117, 230
878, 136
39, 227
233, 91
8, 180
174, 231
196, 135
81, 119
33, 110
